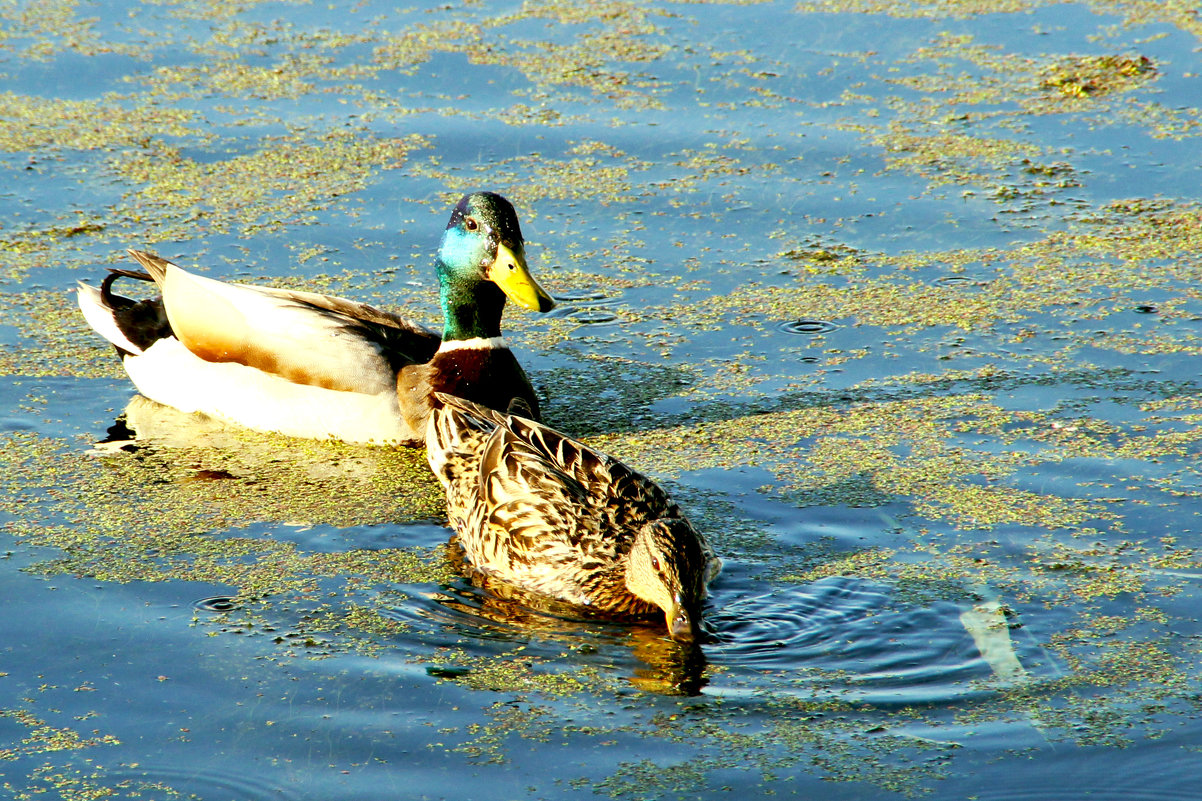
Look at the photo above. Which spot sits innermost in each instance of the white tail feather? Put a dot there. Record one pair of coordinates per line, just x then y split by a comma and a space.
100, 317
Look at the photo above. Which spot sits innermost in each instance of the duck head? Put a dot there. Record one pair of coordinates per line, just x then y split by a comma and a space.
481, 261
667, 567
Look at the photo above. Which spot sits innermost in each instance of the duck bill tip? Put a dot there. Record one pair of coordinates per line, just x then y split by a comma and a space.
509, 272
682, 627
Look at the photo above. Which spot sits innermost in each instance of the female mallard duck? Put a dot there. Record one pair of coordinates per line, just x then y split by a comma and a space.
547, 513
310, 365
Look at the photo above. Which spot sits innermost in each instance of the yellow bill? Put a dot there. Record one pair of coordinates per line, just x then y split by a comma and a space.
509, 272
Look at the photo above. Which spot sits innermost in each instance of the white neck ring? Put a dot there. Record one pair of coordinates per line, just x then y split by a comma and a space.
476, 343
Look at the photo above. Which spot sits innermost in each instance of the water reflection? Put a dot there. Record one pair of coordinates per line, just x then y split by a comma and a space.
668, 667
485, 609
489, 612
144, 421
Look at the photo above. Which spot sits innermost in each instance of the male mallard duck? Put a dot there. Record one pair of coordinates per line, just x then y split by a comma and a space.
547, 513
311, 365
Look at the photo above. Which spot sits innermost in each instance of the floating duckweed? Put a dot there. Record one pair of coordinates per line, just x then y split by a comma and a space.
518, 673
29, 123
282, 183
181, 536
55, 337
43, 738
284, 80
1086, 77
952, 467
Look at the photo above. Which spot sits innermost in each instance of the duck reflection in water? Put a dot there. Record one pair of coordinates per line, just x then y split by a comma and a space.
665, 666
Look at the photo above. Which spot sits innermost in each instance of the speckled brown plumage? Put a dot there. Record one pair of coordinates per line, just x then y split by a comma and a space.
547, 513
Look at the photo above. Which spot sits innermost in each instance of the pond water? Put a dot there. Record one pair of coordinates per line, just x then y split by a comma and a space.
901, 301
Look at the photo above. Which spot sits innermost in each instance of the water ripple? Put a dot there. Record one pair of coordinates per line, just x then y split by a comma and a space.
885, 653
582, 295
218, 603
1076, 791
589, 316
585, 306
954, 281
199, 783
805, 327
501, 614
774, 629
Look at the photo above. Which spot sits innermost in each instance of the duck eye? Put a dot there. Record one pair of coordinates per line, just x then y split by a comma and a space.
655, 562
471, 223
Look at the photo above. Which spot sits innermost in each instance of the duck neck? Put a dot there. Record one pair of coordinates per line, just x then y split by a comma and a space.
472, 311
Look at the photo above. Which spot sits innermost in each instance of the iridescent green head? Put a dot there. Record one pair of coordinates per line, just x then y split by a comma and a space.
481, 261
